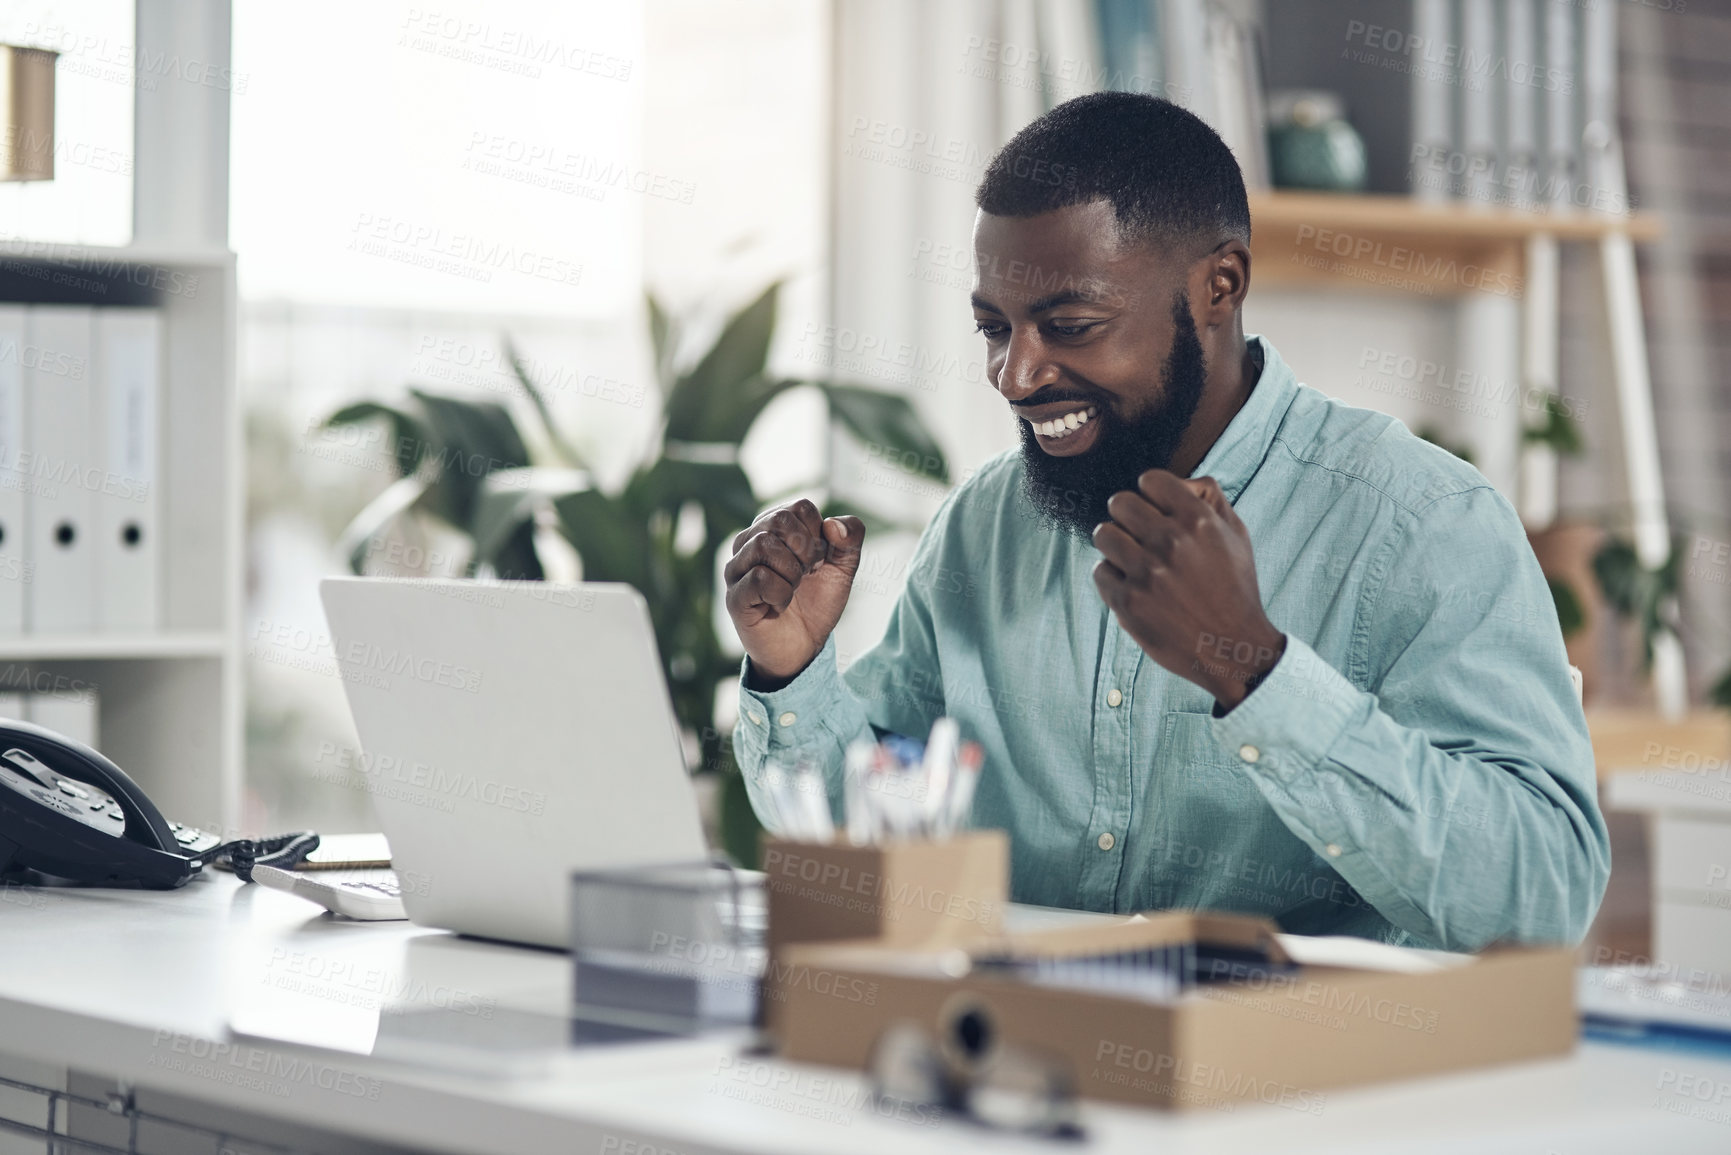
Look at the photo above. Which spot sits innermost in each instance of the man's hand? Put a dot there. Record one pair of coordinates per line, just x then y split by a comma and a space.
787, 583
1179, 575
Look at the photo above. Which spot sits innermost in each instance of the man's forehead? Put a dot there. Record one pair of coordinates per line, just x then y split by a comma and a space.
1084, 233
1069, 256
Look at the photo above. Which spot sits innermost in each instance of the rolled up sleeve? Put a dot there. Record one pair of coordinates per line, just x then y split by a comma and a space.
1459, 797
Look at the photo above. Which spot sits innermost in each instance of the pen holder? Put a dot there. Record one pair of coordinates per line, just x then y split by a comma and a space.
903, 893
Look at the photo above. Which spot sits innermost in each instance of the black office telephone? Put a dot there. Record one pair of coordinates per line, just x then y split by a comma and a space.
69, 812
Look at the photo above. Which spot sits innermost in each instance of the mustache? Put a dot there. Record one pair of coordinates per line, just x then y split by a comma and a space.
1053, 393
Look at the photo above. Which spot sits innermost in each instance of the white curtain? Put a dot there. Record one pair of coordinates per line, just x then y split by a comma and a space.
924, 95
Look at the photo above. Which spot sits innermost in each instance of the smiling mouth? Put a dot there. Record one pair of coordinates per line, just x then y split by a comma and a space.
1060, 427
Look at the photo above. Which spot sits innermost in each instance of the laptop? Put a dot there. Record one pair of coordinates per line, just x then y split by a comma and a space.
512, 733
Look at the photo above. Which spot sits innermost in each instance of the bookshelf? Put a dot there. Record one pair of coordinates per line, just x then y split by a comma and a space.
170, 699
1334, 240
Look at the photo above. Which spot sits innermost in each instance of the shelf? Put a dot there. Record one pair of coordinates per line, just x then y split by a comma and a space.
97, 647
70, 253
1626, 741
1377, 243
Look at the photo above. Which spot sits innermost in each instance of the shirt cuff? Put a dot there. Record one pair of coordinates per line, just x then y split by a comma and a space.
792, 716
1288, 724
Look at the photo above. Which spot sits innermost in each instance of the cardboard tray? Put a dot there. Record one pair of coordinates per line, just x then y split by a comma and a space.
1281, 1039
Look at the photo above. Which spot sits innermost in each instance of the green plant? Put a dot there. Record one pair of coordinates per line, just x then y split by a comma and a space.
1556, 428
1646, 596
1571, 616
464, 462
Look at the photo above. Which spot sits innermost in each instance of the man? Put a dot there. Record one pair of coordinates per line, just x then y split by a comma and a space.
1227, 644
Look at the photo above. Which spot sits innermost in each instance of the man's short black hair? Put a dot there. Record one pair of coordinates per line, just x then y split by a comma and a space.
1170, 177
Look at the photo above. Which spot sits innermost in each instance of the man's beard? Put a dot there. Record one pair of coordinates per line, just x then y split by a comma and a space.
1071, 492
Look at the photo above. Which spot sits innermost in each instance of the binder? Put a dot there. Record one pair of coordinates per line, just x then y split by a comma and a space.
70, 713
14, 573
60, 597
127, 387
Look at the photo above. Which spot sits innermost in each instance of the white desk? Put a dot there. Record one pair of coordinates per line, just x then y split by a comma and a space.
1690, 828
134, 985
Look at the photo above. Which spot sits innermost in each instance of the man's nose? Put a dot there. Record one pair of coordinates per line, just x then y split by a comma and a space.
1025, 367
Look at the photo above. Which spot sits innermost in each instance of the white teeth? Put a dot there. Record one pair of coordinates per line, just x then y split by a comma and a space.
1065, 425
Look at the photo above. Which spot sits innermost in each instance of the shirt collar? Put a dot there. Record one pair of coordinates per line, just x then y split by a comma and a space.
1238, 452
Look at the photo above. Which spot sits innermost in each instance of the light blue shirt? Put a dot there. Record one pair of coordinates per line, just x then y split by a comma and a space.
1415, 768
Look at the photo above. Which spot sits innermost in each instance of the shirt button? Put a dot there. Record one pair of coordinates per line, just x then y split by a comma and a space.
1249, 753
1114, 699
1332, 850
1107, 842
787, 719
756, 718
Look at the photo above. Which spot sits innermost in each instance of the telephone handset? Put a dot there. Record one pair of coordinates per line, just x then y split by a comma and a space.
67, 811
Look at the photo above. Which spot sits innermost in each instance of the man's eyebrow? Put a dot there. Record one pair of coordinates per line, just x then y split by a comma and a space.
980, 302
1067, 297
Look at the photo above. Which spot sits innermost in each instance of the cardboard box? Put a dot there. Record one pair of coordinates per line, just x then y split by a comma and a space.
1254, 1037
900, 893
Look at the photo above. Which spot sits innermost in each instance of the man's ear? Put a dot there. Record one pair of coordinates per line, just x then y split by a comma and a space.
1225, 279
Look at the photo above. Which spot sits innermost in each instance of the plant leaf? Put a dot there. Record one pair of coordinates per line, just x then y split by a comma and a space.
410, 437
888, 424
1555, 429
515, 559
470, 440
481, 429
561, 446
703, 405
662, 340
377, 515
613, 543
723, 490
508, 499
1618, 571
1570, 616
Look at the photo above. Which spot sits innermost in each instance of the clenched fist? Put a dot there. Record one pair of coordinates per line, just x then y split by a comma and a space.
1179, 574
787, 583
